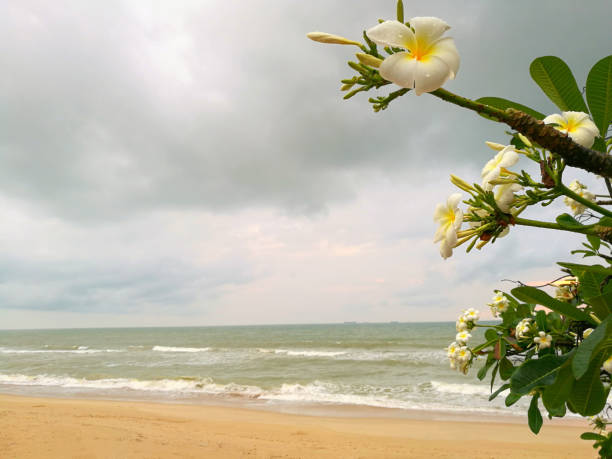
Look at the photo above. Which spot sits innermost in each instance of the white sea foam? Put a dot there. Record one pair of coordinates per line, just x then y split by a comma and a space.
58, 351
461, 389
180, 349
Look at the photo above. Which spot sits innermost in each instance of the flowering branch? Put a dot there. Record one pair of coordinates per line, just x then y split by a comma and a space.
535, 130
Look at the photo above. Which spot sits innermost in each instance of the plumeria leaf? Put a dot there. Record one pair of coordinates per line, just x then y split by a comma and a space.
592, 436
588, 395
555, 396
599, 94
586, 350
594, 241
569, 222
503, 104
599, 144
576, 268
534, 295
555, 78
505, 368
512, 398
537, 373
534, 417
499, 391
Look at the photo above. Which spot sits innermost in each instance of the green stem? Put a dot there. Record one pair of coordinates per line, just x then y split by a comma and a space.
464, 102
585, 202
551, 225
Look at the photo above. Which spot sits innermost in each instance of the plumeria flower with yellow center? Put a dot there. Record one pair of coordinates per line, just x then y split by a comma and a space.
461, 324
499, 304
463, 357
452, 349
523, 328
463, 337
543, 340
450, 218
608, 365
581, 190
429, 60
471, 315
506, 157
577, 125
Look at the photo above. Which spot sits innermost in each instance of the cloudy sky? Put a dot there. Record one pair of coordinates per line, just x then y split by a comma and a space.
193, 163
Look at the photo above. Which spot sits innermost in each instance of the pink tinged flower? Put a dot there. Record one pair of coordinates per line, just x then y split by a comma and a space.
449, 218
429, 60
506, 157
577, 125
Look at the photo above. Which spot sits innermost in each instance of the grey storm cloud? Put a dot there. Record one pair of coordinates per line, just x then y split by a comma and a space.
154, 132
124, 107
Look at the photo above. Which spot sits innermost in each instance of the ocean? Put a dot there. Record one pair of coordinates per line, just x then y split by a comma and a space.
397, 366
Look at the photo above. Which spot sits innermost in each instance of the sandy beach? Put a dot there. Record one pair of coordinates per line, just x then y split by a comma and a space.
73, 428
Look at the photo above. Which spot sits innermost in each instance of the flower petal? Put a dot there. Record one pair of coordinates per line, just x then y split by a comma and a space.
399, 68
555, 119
430, 74
446, 50
445, 250
583, 136
392, 33
454, 200
428, 29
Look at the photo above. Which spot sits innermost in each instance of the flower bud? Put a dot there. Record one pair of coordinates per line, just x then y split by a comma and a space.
608, 365
525, 140
369, 60
459, 183
329, 38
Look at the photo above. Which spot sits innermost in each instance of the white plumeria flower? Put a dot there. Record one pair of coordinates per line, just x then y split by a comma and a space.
504, 195
506, 157
450, 218
429, 60
577, 125
471, 315
463, 354
461, 324
565, 293
463, 337
581, 190
499, 304
523, 328
452, 349
543, 340
608, 365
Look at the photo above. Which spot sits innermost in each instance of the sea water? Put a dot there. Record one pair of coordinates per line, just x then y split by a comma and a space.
400, 366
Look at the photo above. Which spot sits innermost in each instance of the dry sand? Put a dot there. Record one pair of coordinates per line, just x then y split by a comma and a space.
74, 428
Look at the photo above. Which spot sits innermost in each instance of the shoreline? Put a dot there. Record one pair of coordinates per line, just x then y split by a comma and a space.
32, 427
301, 408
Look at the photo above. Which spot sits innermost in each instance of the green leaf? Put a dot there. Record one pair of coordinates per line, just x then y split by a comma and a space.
592, 436
512, 398
575, 268
533, 295
499, 391
555, 78
555, 395
594, 241
599, 145
586, 350
569, 222
599, 94
588, 396
505, 368
491, 334
536, 373
541, 320
483, 371
601, 304
503, 104
534, 417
